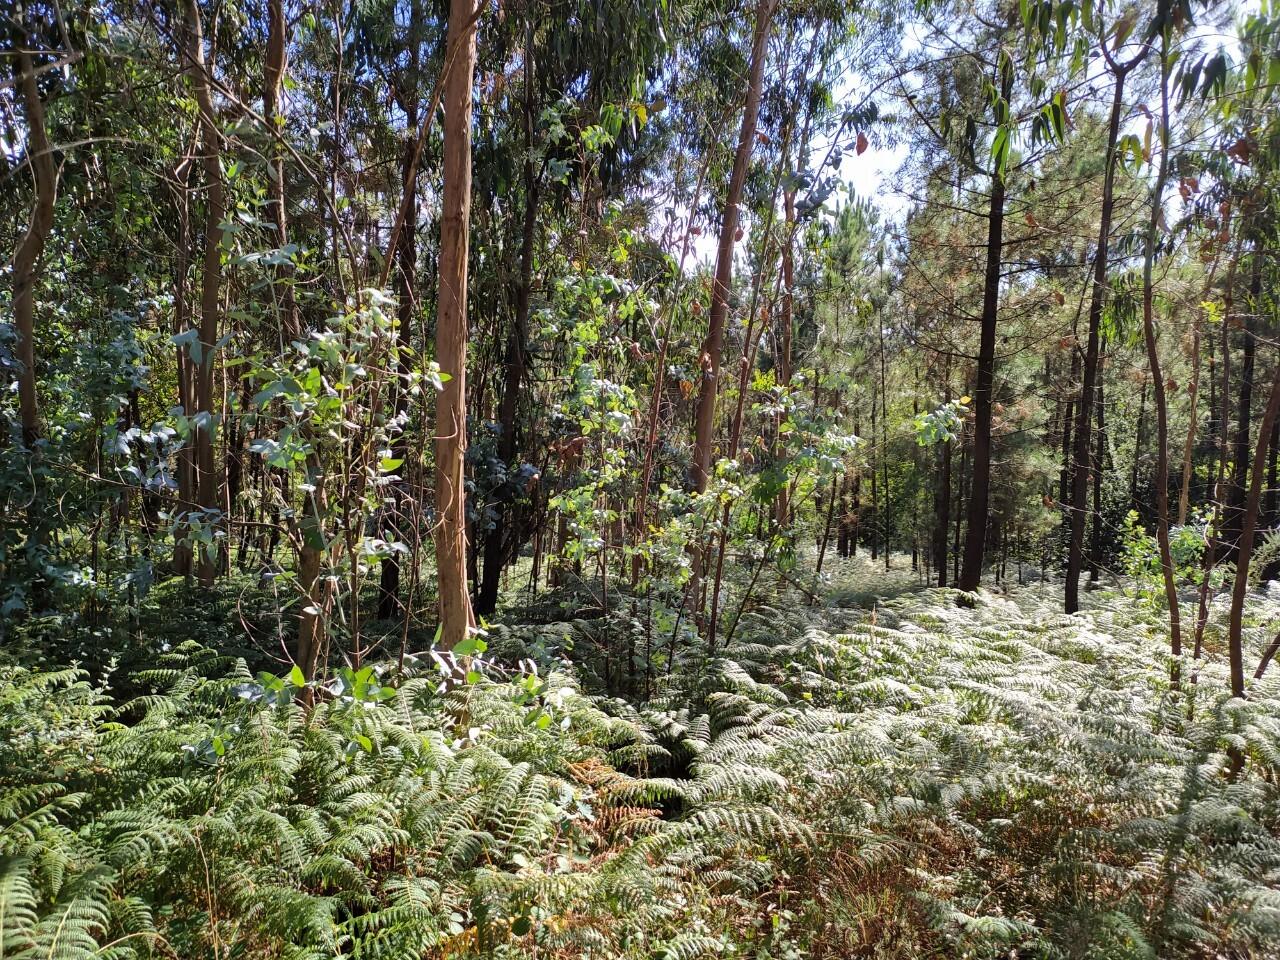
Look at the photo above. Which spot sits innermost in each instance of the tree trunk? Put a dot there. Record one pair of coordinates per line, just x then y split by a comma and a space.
1158, 398
1273, 480
855, 521
826, 527
1099, 458
1189, 445
1233, 519
942, 495
722, 287
1213, 547
274, 69
782, 507
984, 383
874, 466
722, 284
842, 527
406, 310
314, 591
1139, 443
884, 442
456, 617
1084, 411
207, 479
1193, 389
27, 256
26, 272
503, 542
1248, 525
958, 513
186, 388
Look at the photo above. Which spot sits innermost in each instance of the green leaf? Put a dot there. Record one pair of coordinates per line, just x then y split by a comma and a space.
1000, 150
190, 339
471, 645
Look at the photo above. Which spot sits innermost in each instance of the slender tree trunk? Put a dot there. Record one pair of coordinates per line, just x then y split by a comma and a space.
274, 69
1084, 419
207, 479
884, 442
782, 507
722, 286
958, 513
456, 617
1004, 550
856, 492
1248, 525
1273, 479
186, 387
1099, 458
942, 513
1214, 546
26, 272
1267, 656
30, 250
826, 527
1233, 519
1189, 445
842, 525
984, 383
874, 466
1158, 398
233, 458
1053, 424
747, 363
314, 590
406, 310
500, 546
942, 495
1139, 444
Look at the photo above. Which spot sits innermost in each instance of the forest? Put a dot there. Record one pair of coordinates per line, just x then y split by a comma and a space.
639, 479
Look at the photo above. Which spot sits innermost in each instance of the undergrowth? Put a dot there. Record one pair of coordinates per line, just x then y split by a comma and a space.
923, 778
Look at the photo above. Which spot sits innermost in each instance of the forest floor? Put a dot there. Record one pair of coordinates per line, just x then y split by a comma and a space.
894, 772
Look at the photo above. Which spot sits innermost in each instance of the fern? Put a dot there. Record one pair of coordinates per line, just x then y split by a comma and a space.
950, 780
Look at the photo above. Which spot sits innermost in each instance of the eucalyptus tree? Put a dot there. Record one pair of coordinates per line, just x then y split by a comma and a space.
456, 616
29, 30
1163, 27
729, 233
